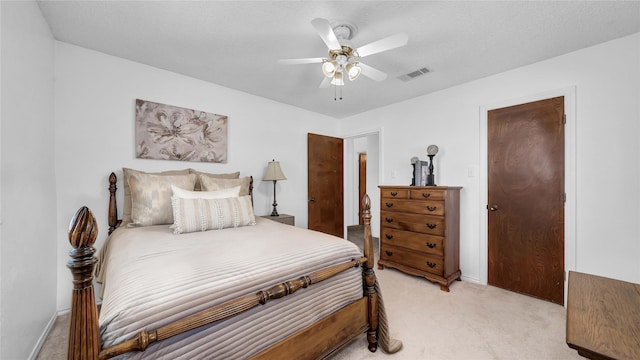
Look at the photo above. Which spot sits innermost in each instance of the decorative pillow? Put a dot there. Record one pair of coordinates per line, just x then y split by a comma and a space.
219, 194
151, 197
126, 209
192, 215
212, 184
198, 187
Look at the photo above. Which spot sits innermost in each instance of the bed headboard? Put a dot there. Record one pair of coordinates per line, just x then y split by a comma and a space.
113, 220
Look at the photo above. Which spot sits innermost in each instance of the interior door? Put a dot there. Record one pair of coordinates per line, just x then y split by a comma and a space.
326, 188
362, 183
526, 198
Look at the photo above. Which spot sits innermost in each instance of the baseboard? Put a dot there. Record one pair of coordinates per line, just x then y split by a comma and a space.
43, 337
472, 279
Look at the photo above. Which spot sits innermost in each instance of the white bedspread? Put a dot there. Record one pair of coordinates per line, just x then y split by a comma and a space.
153, 277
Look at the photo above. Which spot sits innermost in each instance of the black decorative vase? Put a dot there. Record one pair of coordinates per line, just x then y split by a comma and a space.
430, 177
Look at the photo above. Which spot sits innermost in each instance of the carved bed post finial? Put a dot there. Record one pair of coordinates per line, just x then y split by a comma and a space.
113, 208
84, 334
370, 276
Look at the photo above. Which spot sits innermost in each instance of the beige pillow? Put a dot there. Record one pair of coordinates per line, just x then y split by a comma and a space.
213, 184
198, 187
192, 215
151, 197
126, 209
219, 194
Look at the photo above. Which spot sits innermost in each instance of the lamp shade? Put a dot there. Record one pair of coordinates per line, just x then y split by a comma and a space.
353, 70
337, 79
329, 68
274, 172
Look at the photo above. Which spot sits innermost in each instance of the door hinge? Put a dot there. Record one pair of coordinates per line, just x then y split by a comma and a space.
564, 274
564, 198
564, 119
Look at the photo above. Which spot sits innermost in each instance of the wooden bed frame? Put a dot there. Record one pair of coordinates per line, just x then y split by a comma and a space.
317, 341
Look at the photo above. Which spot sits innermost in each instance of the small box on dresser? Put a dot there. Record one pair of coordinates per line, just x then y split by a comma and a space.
420, 231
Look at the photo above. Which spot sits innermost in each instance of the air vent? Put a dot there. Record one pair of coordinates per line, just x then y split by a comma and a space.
414, 74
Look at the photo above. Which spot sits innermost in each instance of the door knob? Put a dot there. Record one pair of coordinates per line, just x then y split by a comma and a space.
312, 199
493, 207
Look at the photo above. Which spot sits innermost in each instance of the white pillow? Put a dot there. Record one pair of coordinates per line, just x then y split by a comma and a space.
216, 194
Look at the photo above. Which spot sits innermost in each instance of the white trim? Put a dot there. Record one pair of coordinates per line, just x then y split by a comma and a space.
43, 337
570, 246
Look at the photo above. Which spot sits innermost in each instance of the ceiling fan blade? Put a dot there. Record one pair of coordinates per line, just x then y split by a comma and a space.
325, 31
384, 44
326, 81
372, 73
300, 61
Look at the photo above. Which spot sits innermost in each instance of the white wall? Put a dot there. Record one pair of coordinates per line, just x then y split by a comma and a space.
28, 183
94, 113
607, 82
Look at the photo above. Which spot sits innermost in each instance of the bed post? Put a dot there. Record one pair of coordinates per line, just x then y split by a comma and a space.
113, 208
84, 334
370, 276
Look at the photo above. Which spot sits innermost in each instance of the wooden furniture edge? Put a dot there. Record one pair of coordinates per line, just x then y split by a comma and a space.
344, 326
602, 309
444, 282
84, 335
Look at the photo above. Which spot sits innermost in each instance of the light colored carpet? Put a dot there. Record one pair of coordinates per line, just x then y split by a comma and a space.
472, 322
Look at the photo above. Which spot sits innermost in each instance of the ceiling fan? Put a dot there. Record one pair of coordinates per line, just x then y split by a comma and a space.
344, 59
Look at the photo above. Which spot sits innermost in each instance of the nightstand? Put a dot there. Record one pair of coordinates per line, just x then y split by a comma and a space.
283, 218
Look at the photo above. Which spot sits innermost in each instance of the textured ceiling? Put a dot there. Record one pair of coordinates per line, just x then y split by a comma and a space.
236, 44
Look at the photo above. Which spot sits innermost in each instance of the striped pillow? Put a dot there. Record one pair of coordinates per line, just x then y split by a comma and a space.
192, 215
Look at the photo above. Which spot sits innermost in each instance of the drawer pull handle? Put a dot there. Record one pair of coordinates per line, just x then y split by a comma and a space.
432, 226
431, 208
389, 253
389, 236
389, 204
430, 245
389, 220
426, 195
430, 264
394, 193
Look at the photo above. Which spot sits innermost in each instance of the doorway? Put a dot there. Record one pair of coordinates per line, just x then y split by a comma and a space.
525, 150
362, 183
361, 179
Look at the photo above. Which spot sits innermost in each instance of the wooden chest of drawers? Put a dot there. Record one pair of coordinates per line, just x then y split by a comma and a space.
420, 231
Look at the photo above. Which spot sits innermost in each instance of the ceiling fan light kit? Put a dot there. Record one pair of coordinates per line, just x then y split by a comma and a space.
353, 70
338, 79
343, 56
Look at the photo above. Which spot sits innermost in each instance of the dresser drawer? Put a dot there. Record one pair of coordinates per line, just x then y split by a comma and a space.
413, 206
412, 222
426, 194
428, 263
424, 243
394, 194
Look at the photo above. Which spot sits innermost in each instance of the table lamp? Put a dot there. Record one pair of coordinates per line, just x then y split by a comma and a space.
274, 173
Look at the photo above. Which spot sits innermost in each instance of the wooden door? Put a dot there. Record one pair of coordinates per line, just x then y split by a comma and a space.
325, 190
362, 183
526, 199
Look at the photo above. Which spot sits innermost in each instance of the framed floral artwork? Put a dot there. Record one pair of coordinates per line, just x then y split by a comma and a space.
167, 132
